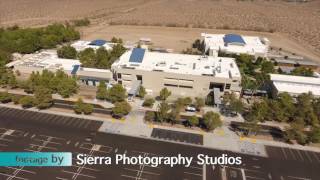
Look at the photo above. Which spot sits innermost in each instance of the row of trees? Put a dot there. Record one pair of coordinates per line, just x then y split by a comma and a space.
171, 113
41, 99
53, 83
302, 114
30, 40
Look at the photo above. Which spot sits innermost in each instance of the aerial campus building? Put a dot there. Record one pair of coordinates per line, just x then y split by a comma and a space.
235, 44
183, 75
294, 85
49, 60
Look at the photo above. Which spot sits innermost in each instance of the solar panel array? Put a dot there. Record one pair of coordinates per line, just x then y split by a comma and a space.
233, 38
137, 55
98, 42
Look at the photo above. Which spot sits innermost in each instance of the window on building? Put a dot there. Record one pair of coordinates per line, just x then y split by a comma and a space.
171, 85
228, 86
139, 78
216, 85
119, 75
189, 87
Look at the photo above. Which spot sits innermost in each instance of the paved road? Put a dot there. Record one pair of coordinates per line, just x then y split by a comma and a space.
25, 131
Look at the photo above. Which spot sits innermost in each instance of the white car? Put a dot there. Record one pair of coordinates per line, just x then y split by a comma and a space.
191, 109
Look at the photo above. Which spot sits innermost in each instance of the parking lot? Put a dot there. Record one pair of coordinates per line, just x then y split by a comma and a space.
293, 154
20, 132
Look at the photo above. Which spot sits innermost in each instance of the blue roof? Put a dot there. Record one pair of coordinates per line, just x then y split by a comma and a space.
98, 42
233, 38
137, 55
75, 69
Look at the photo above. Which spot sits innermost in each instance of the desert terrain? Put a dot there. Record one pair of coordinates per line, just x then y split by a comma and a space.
293, 25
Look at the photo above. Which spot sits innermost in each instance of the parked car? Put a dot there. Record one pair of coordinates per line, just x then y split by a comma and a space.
191, 109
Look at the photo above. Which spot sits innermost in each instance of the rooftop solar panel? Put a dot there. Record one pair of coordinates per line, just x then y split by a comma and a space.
98, 42
233, 38
137, 55
75, 69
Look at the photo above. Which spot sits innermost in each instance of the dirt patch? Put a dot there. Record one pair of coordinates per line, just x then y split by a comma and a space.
178, 38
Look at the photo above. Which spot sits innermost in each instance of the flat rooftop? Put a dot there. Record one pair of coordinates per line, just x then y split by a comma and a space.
296, 84
144, 60
250, 44
96, 44
47, 60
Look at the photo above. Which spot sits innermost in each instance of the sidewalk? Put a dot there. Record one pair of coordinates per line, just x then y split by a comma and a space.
74, 98
221, 138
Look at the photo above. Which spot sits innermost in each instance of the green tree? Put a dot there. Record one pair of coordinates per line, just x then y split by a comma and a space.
67, 52
163, 112
87, 58
27, 101
102, 91
305, 109
142, 92
121, 109
164, 94
67, 87
258, 112
43, 98
199, 103
193, 120
267, 67
315, 135
117, 93
212, 120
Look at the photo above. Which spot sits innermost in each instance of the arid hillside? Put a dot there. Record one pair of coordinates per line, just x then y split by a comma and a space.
299, 21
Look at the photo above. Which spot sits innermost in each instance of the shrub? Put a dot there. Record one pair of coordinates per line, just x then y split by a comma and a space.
27, 102
81, 22
121, 109
148, 102
5, 97
150, 116
193, 120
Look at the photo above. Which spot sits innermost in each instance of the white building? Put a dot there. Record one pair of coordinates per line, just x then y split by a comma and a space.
294, 85
96, 44
49, 60
236, 44
183, 75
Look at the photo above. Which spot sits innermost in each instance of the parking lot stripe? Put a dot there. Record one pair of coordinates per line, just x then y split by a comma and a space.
74, 173
292, 154
96, 170
315, 155
22, 170
9, 176
194, 174
294, 177
307, 154
257, 178
61, 178
300, 155
132, 177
